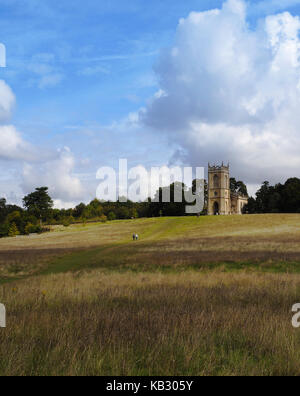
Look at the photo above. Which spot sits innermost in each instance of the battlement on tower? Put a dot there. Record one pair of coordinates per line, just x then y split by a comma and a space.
216, 168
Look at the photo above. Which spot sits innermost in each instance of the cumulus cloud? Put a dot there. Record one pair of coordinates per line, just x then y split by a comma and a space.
14, 147
40, 166
58, 175
232, 92
12, 144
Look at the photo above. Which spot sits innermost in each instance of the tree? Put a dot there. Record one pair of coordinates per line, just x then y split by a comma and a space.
16, 218
111, 216
250, 208
123, 213
134, 213
291, 195
67, 221
242, 188
3, 209
103, 219
13, 230
4, 229
262, 198
30, 229
79, 210
39, 202
238, 187
96, 209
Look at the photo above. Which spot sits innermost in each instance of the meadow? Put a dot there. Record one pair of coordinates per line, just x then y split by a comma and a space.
194, 296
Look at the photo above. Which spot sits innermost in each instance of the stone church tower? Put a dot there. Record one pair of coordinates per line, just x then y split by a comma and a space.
219, 201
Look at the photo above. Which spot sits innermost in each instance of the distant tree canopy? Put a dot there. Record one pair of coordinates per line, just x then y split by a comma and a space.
281, 198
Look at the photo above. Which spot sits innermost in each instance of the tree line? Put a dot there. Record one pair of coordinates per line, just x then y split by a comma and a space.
37, 213
281, 198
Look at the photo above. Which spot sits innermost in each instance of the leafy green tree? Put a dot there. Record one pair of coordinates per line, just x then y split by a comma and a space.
134, 213
39, 202
3, 209
13, 230
123, 213
4, 229
238, 187
111, 216
95, 208
242, 188
66, 222
250, 208
29, 229
16, 218
291, 195
79, 210
262, 198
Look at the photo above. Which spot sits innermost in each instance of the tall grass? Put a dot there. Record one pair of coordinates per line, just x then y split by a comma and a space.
208, 296
102, 323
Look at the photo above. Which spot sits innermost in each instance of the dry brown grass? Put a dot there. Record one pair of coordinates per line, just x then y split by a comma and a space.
151, 324
107, 306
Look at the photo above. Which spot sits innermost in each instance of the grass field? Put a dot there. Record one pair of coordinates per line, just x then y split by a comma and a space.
194, 296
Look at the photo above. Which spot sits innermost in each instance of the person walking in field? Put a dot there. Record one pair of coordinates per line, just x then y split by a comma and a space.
133, 237
136, 237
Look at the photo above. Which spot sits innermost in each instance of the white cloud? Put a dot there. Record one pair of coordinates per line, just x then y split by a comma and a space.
232, 93
58, 176
14, 147
40, 166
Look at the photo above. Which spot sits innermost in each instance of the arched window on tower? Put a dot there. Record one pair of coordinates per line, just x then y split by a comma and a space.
216, 181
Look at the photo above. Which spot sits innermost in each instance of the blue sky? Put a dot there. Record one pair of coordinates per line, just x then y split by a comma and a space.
82, 71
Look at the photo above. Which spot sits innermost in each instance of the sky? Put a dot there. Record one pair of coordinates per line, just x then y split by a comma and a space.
167, 82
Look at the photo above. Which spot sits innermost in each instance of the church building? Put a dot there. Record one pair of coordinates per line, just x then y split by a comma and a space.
221, 200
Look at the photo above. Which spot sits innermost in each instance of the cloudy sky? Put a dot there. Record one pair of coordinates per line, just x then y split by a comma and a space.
157, 82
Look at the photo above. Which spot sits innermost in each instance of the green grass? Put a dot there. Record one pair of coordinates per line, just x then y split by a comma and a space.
268, 243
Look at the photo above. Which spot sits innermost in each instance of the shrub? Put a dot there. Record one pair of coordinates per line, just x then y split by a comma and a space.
111, 216
34, 229
30, 229
66, 222
103, 219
